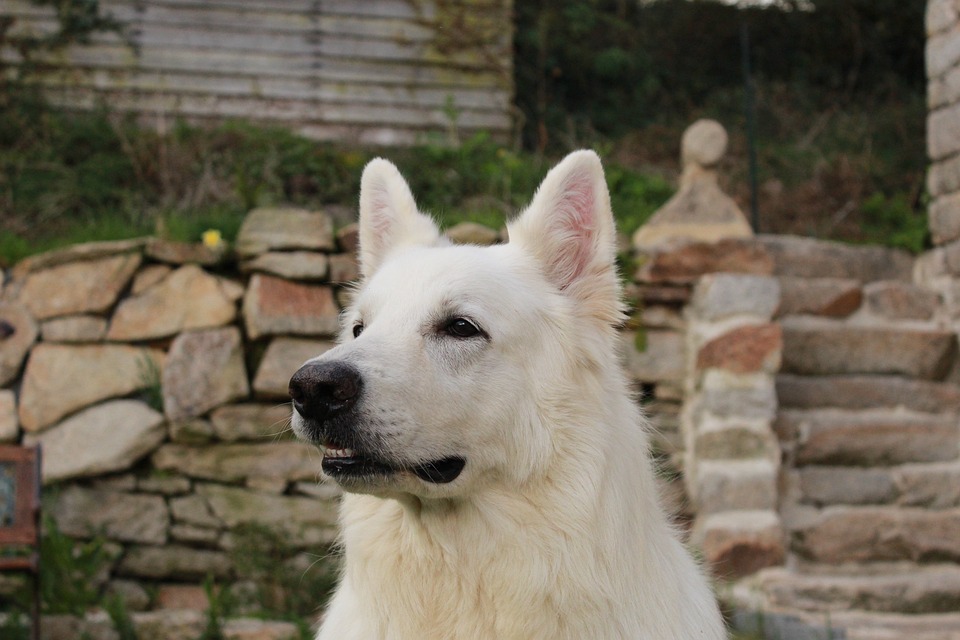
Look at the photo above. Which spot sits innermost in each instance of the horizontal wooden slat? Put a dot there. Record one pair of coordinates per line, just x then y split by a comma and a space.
329, 67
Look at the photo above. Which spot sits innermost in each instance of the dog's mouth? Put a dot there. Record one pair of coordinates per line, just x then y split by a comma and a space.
340, 462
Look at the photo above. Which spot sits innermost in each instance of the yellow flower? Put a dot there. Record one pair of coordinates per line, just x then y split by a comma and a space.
212, 238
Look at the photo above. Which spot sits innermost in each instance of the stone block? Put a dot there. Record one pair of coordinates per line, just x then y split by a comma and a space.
900, 301
944, 175
88, 286
76, 253
720, 296
255, 629
739, 543
737, 442
175, 562
204, 369
19, 331
133, 596
194, 536
943, 134
269, 229
933, 486
734, 485
294, 265
663, 357
301, 521
180, 253
941, 15
942, 52
148, 276
819, 347
164, 484
831, 297
270, 422
169, 624
944, 90
188, 298
472, 233
277, 307
124, 517
726, 395
872, 437
799, 257
683, 262
871, 534
745, 349
123, 432
194, 510
280, 361
866, 392
191, 431
60, 379
181, 596
943, 216
9, 425
74, 329
846, 485
234, 462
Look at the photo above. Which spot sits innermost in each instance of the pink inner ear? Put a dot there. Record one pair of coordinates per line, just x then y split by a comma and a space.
576, 220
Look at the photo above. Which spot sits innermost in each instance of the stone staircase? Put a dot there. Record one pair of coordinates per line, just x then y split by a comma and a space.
868, 422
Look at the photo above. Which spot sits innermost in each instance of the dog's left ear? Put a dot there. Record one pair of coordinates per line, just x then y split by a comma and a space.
569, 228
388, 216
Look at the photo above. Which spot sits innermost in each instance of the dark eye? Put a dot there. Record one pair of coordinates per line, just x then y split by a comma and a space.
461, 328
357, 329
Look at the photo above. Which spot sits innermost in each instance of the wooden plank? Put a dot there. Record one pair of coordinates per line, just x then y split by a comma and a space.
120, 57
283, 111
282, 88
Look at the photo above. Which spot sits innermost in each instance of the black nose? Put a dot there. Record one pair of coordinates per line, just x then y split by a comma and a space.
323, 390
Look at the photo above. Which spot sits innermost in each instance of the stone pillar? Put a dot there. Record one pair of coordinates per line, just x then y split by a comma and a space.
940, 268
732, 452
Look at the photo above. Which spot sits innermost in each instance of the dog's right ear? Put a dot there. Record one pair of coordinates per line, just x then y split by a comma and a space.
388, 216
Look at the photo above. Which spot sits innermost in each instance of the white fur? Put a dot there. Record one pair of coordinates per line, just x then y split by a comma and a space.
553, 529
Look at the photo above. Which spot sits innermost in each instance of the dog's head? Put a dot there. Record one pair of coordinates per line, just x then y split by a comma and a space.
455, 363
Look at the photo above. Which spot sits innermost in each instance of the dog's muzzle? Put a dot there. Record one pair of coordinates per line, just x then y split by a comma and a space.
325, 394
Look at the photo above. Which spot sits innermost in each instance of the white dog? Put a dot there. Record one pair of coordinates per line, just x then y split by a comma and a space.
496, 466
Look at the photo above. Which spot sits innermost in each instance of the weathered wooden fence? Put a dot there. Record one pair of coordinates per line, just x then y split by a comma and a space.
374, 71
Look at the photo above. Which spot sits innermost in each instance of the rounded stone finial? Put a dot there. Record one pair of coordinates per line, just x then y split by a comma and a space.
703, 143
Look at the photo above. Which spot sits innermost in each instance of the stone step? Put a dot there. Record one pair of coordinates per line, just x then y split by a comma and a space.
876, 534
869, 437
887, 588
791, 624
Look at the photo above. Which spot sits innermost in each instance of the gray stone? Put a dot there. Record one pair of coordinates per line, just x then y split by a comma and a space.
944, 176
252, 422
811, 258
164, 484
149, 276
819, 347
186, 252
204, 369
846, 485
472, 233
934, 486
294, 265
736, 442
834, 297
725, 395
194, 535
9, 425
866, 392
169, 624
872, 437
235, 462
267, 229
85, 513
124, 431
18, 332
900, 301
943, 130
302, 522
704, 143
944, 90
281, 360
194, 510
256, 629
74, 329
868, 534
920, 590
93, 626
720, 296
133, 596
944, 217
89, 286
734, 485
189, 298
174, 562
191, 431
273, 306
60, 379
663, 357
940, 16
681, 261
943, 52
